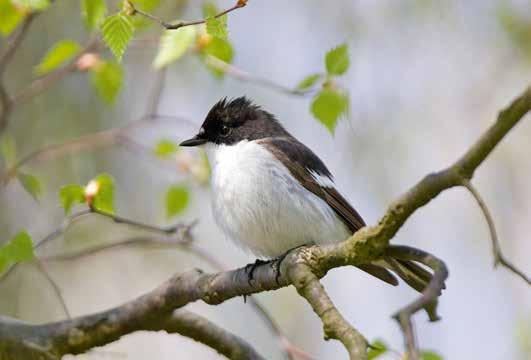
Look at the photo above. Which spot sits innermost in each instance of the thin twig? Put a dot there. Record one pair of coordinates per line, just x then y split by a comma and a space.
182, 231
156, 92
245, 76
13, 43
67, 222
168, 26
428, 297
44, 83
499, 258
98, 139
57, 290
142, 226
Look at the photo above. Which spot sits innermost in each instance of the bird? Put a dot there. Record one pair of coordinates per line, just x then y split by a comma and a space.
272, 194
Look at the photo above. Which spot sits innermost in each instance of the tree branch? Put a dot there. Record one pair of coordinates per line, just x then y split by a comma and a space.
13, 44
202, 330
334, 325
245, 76
181, 322
499, 258
428, 299
44, 83
301, 268
168, 26
56, 289
291, 351
100, 139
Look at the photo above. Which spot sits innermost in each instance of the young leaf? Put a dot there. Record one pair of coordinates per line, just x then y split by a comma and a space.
221, 49
117, 32
378, 347
107, 79
8, 149
147, 5
18, 249
10, 17
38, 5
104, 197
173, 45
209, 10
337, 60
177, 199
31, 184
60, 53
430, 355
93, 12
309, 81
217, 27
70, 195
165, 148
328, 106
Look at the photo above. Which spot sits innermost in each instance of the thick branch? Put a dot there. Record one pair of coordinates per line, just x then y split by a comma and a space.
182, 322
334, 324
202, 330
368, 244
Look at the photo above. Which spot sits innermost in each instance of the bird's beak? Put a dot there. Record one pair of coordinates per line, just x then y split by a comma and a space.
195, 141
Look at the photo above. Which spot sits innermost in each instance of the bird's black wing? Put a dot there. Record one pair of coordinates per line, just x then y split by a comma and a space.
309, 170
306, 167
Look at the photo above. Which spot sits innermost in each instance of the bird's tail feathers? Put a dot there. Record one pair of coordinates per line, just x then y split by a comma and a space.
412, 273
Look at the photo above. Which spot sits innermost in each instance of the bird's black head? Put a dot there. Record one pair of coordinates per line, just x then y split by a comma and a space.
229, 122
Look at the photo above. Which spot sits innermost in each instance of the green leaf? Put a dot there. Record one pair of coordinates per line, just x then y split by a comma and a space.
173, 45
517, 27
70, 195
93, 12
104, 197
60, 53
147, 5
217, 27
165, 148
378, 347
117, 31
177, 199
221, 49
8, 149
430, 355
31, 184
107, 79
309, 81
10, 17
337, 60
328, 106
209, 10
38, 5
18, 249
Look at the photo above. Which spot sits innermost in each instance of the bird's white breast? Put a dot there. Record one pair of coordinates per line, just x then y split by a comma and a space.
262, 207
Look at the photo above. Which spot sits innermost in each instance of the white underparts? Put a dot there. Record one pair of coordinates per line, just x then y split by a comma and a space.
262, 207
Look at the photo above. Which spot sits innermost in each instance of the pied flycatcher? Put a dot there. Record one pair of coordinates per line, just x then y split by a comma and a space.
272, 194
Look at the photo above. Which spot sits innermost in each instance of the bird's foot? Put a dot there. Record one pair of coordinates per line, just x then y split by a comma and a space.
250, 268
278, 262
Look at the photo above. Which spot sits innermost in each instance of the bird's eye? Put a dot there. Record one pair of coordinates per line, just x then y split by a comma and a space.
225, 130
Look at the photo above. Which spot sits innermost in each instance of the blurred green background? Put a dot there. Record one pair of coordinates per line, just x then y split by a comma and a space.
425, 79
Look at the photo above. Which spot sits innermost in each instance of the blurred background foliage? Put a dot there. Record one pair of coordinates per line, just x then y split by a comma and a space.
424, 79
